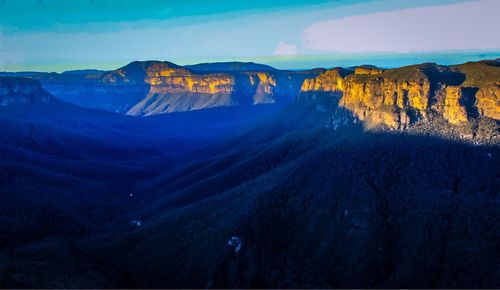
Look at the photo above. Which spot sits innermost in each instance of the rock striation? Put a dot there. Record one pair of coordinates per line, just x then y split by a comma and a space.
172, 88
397, 98
146, 88
402, 97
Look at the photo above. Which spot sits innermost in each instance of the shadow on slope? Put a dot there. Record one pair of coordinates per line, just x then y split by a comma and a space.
67, 173
317, 207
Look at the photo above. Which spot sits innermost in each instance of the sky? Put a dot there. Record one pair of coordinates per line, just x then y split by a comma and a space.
58, 35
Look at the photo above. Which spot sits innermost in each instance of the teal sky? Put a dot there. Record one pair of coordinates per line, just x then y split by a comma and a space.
57, 35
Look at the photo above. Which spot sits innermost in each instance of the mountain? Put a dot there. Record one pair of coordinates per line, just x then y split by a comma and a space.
86, 88
154, 87
172, 88
67, 172
84, 72
24, 102
229, 67
396, 98
26, 74
14, 90
291, 203
414, 98
362, 179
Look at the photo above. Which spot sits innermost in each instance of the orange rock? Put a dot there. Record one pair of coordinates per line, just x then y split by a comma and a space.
453, 111
488, 101
390, 97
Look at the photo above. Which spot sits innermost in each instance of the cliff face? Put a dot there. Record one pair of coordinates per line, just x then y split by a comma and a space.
394, 98
155, 87
172, 88
399, 98
488, 101
15, 90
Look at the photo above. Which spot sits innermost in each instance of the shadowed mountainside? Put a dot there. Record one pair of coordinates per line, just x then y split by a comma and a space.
67, 173
155, 87
315, 195
316, 207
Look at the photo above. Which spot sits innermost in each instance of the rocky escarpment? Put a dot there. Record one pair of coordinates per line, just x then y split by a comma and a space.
87, 89
155, 87
393, 98
17, 90
407, 97
172, 88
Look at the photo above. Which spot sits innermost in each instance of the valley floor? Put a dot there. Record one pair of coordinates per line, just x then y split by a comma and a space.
275, 206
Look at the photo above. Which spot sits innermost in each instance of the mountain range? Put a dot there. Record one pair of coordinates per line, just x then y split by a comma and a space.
240, 175
407, 98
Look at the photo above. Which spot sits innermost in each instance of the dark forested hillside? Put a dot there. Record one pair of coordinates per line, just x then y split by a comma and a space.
305, 195
320, 208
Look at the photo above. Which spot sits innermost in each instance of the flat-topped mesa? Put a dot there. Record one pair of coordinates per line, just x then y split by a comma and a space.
169, 81
172, 88
136, 72
362, 70
397, 98
17, 90
155, 87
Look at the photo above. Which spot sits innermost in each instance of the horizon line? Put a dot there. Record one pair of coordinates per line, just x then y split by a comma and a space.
278, 62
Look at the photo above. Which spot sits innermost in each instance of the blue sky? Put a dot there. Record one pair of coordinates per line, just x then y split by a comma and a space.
57, 35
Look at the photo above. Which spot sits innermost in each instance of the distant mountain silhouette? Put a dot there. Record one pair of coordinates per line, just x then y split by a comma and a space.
84, 72
234, 66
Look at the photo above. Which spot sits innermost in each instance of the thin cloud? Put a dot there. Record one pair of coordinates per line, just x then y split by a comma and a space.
464, 26
285, 49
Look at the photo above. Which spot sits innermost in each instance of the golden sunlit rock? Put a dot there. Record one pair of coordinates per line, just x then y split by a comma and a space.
367, 71
488, 101
393, 97
453, 111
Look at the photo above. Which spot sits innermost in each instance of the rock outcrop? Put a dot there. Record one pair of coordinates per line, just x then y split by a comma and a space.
172, 88
399, 98
17, 90
392, 98
488, 101
453, 111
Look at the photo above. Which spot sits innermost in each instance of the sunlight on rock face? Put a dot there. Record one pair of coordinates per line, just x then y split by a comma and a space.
454, 112
488, 101
397, 98
367, 71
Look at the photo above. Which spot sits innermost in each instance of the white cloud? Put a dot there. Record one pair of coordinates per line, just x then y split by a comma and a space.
463, 26
285, 49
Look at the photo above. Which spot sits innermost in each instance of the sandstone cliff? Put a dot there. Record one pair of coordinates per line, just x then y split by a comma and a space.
399, 98
392, 98
171, 88
16, 90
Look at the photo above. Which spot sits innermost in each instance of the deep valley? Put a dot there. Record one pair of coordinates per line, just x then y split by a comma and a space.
240, 175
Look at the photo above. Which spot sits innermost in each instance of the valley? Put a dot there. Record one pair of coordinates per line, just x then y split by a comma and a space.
240, 175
